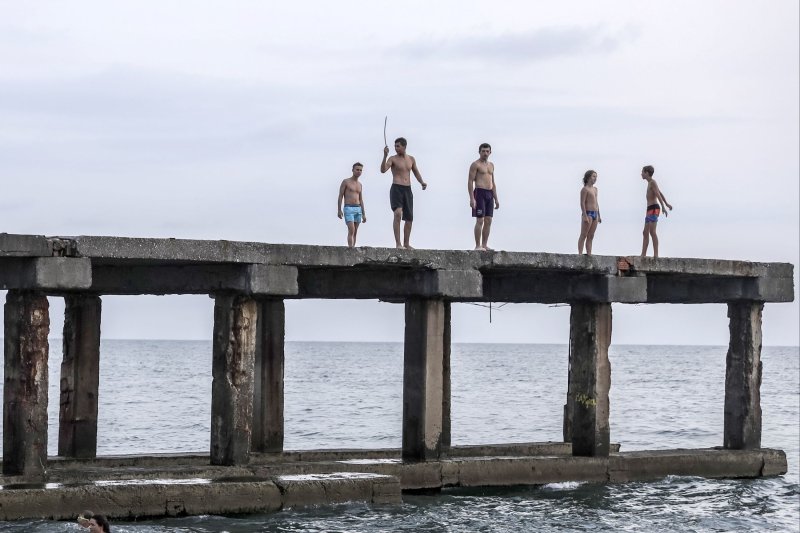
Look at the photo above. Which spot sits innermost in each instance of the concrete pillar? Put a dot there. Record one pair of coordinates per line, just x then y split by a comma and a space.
80, 377
587, 408
446, 394
27, 323
268, 386
743, 377
234, 347
423, 379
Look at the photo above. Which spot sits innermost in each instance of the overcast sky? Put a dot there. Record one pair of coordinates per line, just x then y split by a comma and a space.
238, 120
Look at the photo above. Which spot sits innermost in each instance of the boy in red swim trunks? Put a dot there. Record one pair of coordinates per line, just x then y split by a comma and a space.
482, 195
654, 198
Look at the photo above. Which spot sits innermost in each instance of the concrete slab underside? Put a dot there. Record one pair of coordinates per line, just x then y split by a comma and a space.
174, 485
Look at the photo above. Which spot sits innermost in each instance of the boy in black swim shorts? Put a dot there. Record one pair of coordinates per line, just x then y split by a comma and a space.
482, 195
401, 198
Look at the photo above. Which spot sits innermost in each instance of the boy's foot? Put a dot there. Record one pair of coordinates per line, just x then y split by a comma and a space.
480, 248
398, 246
408, 247
488, 249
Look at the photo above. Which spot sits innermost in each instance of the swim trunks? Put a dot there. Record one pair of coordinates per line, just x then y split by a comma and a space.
592, 214
484, 203
352, 213
652, 213
401, 196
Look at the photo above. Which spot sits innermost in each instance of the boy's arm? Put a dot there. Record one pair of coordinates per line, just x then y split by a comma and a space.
417, 175
597, 203
473, 171
494, 190
339, 201
363, 208
584, 195
385, 165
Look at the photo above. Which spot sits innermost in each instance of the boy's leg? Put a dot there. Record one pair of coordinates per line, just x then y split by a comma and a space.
645, 238
590, 236
407, 234
478, 232
398, 214
582, 237
487, 227
351, 234
654, 238
355, 232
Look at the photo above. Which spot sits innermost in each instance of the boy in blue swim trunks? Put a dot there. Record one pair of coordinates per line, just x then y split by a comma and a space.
590, 212
354, 212
656, 203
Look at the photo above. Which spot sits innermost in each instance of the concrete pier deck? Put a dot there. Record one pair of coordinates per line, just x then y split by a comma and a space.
247, 468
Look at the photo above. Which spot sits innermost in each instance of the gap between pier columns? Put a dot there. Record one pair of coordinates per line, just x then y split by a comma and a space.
425, 401
268, 424
743, 377
80, 377
26, 326
586, 413
232, 396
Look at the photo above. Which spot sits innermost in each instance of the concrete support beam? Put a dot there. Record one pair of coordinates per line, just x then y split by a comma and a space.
743, 377
692, 290
399, 283
423, 380
252, 279
80, 377
12, 245
559, 287
46, 273
234, 346
587, 407
27, 323
269, 371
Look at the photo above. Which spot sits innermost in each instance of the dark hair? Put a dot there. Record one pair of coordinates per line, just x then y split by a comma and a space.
587, 175
401, 141
649, 169
357, 164
102, 521
485, 145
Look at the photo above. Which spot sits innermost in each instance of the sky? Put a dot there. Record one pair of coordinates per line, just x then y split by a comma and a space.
238, 120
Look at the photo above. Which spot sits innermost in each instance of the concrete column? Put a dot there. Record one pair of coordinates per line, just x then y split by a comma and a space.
743, 377
234, 347
587, 408
446, 394
80, 377
423, 379
27, 323
268, 387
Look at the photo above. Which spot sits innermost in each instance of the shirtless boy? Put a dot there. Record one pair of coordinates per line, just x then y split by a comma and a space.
590, 212
654, 198
401, 198
354, 210
482, 195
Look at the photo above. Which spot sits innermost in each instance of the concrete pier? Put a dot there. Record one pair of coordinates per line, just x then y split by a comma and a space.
250, 282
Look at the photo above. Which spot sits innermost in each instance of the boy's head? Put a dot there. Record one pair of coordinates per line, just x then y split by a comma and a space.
648, 170
484, 150
588, 175
358, 168
400, 145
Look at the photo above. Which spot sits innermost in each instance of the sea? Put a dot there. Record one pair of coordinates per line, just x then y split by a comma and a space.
155, 397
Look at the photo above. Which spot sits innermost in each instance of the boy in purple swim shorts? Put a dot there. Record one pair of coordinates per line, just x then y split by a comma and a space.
656, 203
482, 195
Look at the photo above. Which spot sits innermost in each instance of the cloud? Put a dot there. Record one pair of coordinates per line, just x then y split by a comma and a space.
534, 45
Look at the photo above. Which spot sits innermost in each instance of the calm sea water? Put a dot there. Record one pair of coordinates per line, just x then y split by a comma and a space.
155, 397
